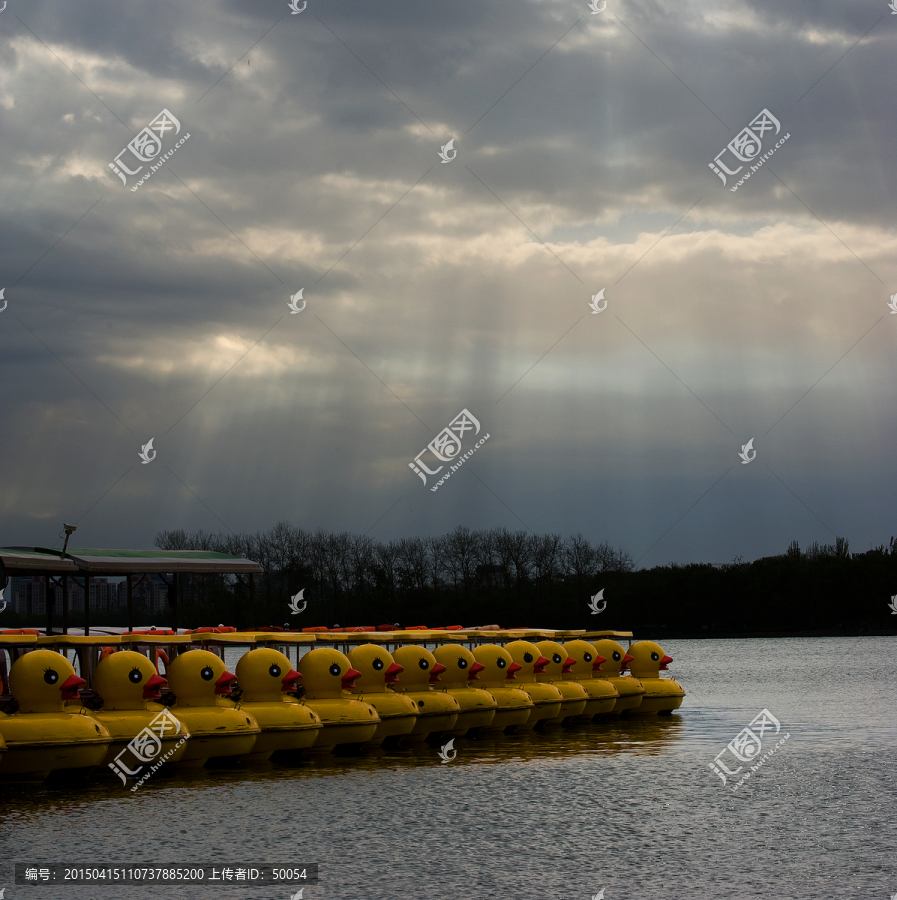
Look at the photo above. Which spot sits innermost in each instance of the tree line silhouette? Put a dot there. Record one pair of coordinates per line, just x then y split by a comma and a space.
518, 579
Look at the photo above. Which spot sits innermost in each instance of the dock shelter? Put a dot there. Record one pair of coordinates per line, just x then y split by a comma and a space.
82, 564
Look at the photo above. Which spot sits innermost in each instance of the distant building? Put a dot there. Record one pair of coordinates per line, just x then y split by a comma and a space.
148, 596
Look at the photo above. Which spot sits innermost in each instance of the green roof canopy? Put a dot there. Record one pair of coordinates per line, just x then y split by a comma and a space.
79, 560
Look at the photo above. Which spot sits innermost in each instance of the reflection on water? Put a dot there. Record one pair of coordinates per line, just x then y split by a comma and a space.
627, 805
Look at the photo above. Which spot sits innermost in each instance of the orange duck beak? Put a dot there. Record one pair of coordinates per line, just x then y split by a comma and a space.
626, 660
225, 684
434, 675
290, 681
69, 687
596, 665
570, 661
474, 670
152, 690
539, 667
392, 673
349, 679
514, 667
664, 661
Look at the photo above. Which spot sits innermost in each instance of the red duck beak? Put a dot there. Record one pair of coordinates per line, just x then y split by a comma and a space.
539, 667
514, 667
664, 661
349, 679
434, 675
570, 661
152, 690
69, 687
392, 673
474, 669
626, 660
596, 665
225, 684
290, 681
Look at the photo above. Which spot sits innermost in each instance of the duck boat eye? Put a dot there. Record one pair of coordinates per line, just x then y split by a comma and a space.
335, 670
500, 663
424, 664
587, 657
378, 664
556, 658
274, 671
617, 656
527, 657
462, 663
135, 676
51, 676
207, 674
655, 656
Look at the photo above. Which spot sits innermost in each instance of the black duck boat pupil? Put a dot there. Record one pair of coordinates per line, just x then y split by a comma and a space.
135, 675
274, 671
424, 664
527, 657
587, 657
462, 663
207, 674
335, 670
501, 663
51, 676
655, 656
378, 664
617, 656
556, 658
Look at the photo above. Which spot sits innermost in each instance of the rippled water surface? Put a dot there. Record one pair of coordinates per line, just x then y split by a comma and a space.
630, 807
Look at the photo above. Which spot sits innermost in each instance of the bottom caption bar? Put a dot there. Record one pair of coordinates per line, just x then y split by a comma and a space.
144, 874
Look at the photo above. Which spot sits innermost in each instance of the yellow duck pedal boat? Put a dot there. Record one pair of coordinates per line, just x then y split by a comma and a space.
461, 671
328, 679
514, 705
218, 728
42, 737
289, 726
437, 710
602, 694
662, 695
128, 684
559, 663
630, 689
398, 713
547, 699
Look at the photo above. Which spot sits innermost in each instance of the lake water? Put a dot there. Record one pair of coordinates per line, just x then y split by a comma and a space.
631, 808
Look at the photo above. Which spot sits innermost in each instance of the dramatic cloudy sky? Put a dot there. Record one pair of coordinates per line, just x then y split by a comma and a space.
583, 142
